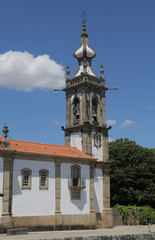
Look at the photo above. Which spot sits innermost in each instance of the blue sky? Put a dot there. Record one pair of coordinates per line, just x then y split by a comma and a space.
37, 41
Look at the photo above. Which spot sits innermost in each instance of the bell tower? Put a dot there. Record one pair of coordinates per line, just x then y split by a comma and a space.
85, 105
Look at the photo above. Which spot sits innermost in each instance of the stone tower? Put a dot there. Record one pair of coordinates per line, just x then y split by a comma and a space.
85, 105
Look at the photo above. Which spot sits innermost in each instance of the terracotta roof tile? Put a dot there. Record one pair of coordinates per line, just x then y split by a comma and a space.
41, 148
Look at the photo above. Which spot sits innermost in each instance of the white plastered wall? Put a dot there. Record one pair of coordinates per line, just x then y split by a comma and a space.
33, 202
97, 152
98, 190
1, 182
69, 206
76, 140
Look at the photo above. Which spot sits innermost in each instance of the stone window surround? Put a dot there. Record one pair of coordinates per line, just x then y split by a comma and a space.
46, 180
95, 98
72, 170
74, 115
75, 188
29, 178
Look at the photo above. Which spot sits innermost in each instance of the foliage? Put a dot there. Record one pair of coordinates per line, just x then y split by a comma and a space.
145, 211
125, 211
132, 173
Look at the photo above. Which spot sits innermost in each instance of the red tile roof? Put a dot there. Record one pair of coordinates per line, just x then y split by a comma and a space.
47, 149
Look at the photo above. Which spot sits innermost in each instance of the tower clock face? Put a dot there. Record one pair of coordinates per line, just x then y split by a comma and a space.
97, 140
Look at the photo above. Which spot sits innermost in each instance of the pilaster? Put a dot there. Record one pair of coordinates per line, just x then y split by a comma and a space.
57, 187
102, 119
86, 140
68, 109
107, 212
85, 105
58, 216
7, 186
67, 139
7, 190
92, 210
105, 146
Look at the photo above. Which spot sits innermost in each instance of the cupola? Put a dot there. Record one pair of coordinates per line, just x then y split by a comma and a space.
84, 55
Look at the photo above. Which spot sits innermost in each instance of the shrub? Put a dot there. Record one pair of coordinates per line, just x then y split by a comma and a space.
144, 212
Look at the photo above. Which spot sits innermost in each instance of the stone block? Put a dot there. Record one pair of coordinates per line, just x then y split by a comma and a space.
107, 216
19, 231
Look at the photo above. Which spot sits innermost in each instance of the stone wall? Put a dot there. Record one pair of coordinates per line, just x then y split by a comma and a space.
118, 237
131, 219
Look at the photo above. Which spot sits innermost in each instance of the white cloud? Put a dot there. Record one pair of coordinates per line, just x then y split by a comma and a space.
110, 139
23, 71
57, 122
111, 122
126, 123
150, 107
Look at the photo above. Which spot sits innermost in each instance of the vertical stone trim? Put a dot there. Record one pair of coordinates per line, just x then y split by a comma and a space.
102, 119
107, 215
57, 187
67, 139
58, 216
87, 141
105, 146
92, 221
68, 110
7, 186
106, 188
92, 188
85, 99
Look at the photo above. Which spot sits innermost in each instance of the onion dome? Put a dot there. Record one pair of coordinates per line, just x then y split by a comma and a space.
84, 55
84, 50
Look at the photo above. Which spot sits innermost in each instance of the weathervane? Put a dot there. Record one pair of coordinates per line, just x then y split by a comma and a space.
83, 15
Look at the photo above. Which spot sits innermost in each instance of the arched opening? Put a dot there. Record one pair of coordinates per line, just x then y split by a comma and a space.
75, 174
94, 109
76, 111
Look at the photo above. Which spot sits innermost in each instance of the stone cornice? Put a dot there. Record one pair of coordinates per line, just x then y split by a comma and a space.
10, 154
83, 126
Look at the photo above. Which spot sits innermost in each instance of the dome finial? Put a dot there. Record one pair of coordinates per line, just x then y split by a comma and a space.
5, 130
67, 72
83, 21
102, 71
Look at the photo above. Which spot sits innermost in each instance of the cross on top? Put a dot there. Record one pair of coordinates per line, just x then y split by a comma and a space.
83, 15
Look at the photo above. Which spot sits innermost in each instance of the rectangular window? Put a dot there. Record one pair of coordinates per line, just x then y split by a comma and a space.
43, 176
26, 179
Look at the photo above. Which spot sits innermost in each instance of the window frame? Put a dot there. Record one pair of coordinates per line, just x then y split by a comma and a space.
95, 99
46, 181
76, 187
76, 117
78, 173
29, 178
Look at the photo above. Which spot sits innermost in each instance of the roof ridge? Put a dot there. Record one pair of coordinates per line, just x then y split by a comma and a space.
47, 144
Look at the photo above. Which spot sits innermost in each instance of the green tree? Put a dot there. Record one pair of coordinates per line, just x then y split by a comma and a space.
132, 173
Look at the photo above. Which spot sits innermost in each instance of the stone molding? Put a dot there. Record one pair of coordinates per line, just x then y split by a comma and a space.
48, 158
92, 210
7, 185
57, 187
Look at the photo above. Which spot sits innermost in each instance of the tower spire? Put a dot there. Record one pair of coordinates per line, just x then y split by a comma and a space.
83, 21
84, 54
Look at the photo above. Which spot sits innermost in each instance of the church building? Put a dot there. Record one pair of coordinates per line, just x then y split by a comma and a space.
53, 187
